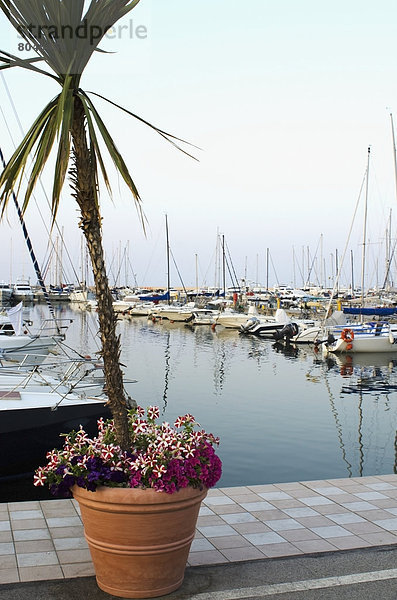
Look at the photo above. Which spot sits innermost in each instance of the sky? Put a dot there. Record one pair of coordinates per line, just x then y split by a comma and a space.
282, 100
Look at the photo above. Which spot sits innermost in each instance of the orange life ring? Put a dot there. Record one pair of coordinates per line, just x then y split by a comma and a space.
348, 336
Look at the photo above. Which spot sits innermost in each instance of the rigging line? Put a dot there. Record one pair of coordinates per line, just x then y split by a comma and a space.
132, 271
271, 260
232, 265
41, 183
336, 282
31, 252
177, 270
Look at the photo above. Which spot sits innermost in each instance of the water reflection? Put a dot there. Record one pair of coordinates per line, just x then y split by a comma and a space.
283, 413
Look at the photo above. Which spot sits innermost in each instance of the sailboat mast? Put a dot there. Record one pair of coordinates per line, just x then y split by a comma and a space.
365, 231
168, 260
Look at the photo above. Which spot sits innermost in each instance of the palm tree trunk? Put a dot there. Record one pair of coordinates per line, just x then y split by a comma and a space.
84, 186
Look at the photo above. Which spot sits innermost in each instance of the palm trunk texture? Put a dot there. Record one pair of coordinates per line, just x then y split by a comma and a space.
84, 184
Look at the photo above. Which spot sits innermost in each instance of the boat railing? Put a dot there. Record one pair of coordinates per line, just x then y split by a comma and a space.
49, 327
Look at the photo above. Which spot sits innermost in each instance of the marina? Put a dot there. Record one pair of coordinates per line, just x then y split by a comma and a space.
283, 412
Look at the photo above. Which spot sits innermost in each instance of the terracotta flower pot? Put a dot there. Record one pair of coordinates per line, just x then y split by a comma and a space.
139, 539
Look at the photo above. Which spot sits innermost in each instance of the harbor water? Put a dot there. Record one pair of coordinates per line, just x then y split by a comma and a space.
282, 413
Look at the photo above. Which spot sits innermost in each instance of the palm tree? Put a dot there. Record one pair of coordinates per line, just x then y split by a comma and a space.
64, 36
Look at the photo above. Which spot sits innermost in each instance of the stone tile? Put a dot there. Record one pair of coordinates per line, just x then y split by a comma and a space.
283, 524
5, 526
282, 504
328, 491
297, 535
257, 506
215, 492
371, 496
244, 498
269, 515
64, 521
60, 532
25, 547
217, 531
310, 522
29, 524
40, 573
380, 538
285, 549
6, 548
20, 515
382, 486
217, 500
235, 541
359, 528
374, 515
226, 509
330, 532
388, 503
73, 556
23, 506
211, 557
291, 488
359, 506
201, 545
264, 488
344, 498
260, 539
5, 536
301, 512
205, 511
239, 554
37, 559
392, 511
58, 508
236, 491
310, 546
70, 543
275, 496
8, 561
327, 509
349, 543
78, 570
206, 521
9, 575
388, 524
257, 527
315, 500
348, 517
31, 534
243, 517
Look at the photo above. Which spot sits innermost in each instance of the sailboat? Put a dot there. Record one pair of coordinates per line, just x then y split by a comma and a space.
370, 337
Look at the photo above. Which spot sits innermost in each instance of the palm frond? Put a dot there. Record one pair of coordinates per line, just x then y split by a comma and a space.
11, 177
167, 136
62, 33
115, 155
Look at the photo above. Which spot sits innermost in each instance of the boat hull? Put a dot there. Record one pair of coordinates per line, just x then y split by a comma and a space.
26, 435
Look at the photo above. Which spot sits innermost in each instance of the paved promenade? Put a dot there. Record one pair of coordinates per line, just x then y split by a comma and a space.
43, 541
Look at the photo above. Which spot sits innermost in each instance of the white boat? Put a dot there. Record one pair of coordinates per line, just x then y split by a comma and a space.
204, 316
22, 291
17, 339
377, 336
233, 319
268, 326
6, 292
174, 313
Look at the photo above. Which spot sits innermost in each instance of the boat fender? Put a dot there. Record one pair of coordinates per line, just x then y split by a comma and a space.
347, 336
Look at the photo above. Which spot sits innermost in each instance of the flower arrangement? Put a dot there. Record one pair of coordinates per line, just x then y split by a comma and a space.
163, 457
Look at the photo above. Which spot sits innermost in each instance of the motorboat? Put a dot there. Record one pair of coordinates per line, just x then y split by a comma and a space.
17, 338
22, 291
182, 313
6, 293
266, 326
38, 404
371, 337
